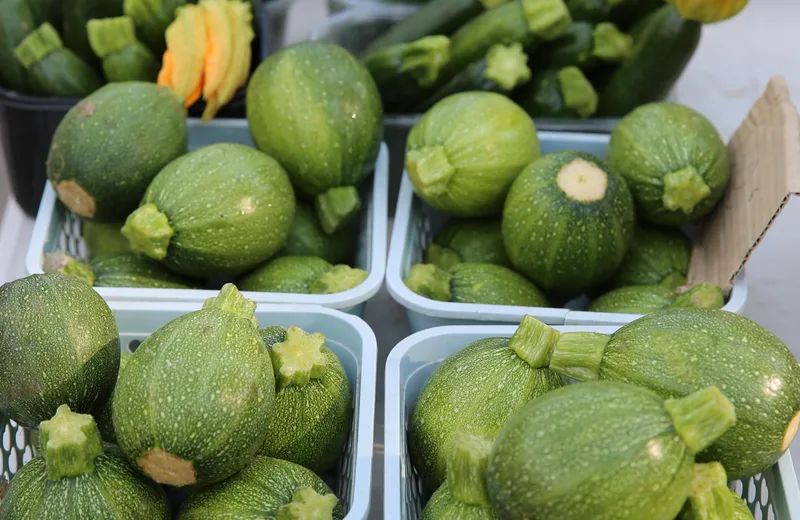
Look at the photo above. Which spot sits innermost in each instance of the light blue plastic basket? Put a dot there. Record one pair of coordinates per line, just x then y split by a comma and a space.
347, 336
56, 228
415, 225
772, 495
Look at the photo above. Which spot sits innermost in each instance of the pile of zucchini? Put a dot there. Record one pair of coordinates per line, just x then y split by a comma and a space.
555, 58
664, 413
245, 419
539, 231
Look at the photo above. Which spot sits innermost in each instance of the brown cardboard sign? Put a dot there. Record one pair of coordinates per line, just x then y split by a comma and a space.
765, 173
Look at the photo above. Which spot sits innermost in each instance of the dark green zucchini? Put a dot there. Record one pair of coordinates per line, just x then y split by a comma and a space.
438, 17
558, 93
663, 45
626, 13
54, 70
76, 15
16, 23
46, 11
152, 17
585, 46
124, 57
589, 10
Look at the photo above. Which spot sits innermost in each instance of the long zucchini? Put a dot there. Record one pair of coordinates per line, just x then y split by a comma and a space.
562, 93
663, 45
585, 46
75, 17
16, 23
626, 13
589, 10
124, 57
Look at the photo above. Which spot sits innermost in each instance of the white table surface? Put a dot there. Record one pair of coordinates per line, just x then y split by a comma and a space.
728, 73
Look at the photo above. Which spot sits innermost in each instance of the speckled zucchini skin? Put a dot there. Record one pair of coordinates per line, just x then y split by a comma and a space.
442, 507
257, 491
634, 299
103, 239
231, 208
286, 274
689, 349
306, 238
201, 388
477, 241
59, 344
113, 491
139, 127
660, 138
103, 418
493, 285
566, 246
599, 450
475, 390
654, 255
310, 423
134, 270
325, 128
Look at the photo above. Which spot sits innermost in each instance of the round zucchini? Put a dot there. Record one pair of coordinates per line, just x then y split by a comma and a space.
313, 404
103, 418
476, 390
219, 210
463, 168
472, 241
59, 345
110, 146
325, 130
267, 488
302, 275
201, 382
568, 222
103, 238
634, 299
307, 238
76, 476
656, 257
674, 161
603, 450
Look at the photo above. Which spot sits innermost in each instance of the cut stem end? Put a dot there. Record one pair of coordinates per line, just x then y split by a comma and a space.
148, 231
339, 279
547, 19
307, 504
684, 190
169, 469
442, 257
430, 170
64, 263
429, 281
578, 354
701, 417
582, 181
336, 207
231, 300
299, 357
507, 66
533, 341
69, 443
467, 463
610, 44
424, 58
578, 93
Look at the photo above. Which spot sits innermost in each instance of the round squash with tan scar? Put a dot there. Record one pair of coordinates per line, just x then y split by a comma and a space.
109, 147
568, 222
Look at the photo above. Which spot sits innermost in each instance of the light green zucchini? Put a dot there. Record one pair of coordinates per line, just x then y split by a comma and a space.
471, 241
302, 275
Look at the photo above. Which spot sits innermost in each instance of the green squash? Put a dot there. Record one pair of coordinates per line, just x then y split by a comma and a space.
267, 488
472, 241
674, 161
604, 451
76, 476
17, 22
219, 210
710, 498
465, 152
76, 14
701, 296
59, 345
193, 403
325, 129
634, 299
568, 222
474, 283
152, 20
110, 146
677, 351
124, 57
307, 238
103, 238
476, 390
656, 257
313, 404
302, 275
103, 418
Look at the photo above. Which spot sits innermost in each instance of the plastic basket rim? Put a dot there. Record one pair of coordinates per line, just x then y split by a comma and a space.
509, 313
394, 430
363, 452
345, 300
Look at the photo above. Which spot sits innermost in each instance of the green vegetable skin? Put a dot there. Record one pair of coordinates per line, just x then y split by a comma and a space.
710, 498
313, 406
656, 257
193, 403
474, 283
558, 93
77, 477
15, 24
103, 238
676, 351
103, 418
473, 241
634, 299
219, 210
568, 222
152, 19
76, 14
674, 161
326, 130
633, 452
139, 127
476, 391
627, 12
302, 275
124, 58
464, 169
258, 491
586, 46
59, 345
307, 238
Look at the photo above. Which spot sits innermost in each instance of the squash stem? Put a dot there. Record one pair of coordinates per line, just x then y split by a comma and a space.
533, 341
148, 231
578, 93
701, 296
339, 279
701, 417
64, 263
336, 207
231, 300
110, 35
547, 19
467, 462
673, 281
430, 170
307, 504
299, 357
422, 59
578, 354
610, 44
38, 44
69, 443
429, 281
684, 190
442, 257
507, 66
709, 496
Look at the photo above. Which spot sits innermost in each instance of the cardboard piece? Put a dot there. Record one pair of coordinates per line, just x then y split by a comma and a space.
765, 174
